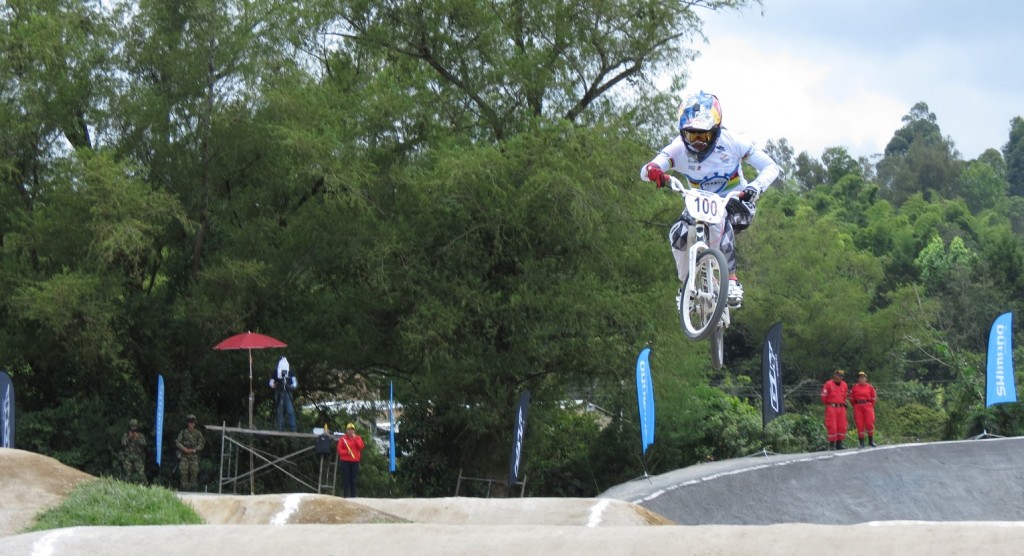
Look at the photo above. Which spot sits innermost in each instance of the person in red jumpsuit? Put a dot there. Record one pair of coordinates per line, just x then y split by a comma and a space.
863, 397
833, 395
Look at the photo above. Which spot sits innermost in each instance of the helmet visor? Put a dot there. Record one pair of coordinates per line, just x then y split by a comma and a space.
697, 138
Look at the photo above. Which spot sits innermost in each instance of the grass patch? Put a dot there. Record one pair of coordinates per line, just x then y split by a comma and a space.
111, 502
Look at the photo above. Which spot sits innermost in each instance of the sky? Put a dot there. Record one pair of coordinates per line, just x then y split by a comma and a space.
824, 73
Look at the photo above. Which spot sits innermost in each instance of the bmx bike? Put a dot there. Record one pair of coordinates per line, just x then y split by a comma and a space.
704, 305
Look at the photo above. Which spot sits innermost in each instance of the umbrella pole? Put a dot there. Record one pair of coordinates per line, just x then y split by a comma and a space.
252, 473
251, 397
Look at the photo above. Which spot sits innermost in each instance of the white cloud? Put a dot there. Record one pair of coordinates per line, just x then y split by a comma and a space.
768, 94
827, 74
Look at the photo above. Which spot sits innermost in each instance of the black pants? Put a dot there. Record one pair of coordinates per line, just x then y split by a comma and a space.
349, 472
283, 408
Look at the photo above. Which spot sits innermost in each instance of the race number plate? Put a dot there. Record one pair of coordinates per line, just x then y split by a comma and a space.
705, 206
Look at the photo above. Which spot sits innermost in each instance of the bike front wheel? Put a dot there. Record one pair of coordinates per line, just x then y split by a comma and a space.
702, 306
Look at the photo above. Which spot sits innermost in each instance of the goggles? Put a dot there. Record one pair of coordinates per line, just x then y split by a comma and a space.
702, 137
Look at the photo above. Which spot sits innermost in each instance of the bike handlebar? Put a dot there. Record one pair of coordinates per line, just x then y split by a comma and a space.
677, 185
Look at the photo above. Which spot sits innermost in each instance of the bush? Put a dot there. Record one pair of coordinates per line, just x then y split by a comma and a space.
793, 433
912, 422
112, 502
560, 453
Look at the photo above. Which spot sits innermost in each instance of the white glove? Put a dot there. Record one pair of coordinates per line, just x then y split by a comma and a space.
273, 384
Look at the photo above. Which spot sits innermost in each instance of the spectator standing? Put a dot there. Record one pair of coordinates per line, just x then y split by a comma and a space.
833, 395
350, 451
283, 382
133, 454
189, 443
863, 396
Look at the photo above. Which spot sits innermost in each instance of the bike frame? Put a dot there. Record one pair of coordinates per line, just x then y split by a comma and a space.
705, 291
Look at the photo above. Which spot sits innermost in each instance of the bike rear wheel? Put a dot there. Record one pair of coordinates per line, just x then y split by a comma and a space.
701, 308
717, 347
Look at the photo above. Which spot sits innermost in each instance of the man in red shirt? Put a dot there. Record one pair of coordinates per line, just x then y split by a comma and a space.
350, 451
863, 397
833, 395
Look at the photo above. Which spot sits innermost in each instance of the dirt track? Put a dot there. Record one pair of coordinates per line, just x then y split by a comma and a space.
317, 524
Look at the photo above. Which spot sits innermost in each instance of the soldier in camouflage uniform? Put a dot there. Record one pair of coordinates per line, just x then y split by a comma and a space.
133, 454
189, 443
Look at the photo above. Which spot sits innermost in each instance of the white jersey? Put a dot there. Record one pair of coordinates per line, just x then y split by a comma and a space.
721, 172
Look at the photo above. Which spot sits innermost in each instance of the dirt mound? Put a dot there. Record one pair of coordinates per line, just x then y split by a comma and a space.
281, 509
588, 512
293, 509
29, 484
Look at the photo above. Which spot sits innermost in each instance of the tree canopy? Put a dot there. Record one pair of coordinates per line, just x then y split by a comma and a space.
443, 195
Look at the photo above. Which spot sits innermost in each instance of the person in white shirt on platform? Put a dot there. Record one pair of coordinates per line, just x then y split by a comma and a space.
710, 157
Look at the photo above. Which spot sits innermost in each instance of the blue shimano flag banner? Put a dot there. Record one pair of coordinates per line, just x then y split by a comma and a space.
999, 382
391, 416
159, 417
517, 437
771, 375
645, 398
6, 410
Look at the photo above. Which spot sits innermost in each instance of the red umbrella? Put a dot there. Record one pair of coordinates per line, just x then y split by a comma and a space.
250, 341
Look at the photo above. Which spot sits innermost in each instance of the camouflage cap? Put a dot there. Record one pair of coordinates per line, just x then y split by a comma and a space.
191, 417
133, 423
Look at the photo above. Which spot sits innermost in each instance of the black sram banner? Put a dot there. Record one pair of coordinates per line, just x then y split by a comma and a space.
771, 374
6, 411
517, 437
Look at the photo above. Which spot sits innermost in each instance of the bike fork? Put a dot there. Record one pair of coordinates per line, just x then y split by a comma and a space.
696, 241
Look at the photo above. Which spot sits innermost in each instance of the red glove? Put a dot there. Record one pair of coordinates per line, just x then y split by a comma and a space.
655, 174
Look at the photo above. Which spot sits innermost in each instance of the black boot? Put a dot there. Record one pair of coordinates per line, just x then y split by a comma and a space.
831, 445
861, 442
871, 441
839, 444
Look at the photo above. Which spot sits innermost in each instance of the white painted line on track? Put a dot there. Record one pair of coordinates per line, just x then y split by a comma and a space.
829, 455
291, 505
595, 512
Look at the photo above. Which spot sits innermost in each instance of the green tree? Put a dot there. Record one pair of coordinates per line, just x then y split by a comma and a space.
495, 67
1013, 153
919, 159
809, 172
981, 186
824, 296
430, 194
783, 155
920, 125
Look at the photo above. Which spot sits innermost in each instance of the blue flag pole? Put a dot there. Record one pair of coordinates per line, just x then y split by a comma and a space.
159, 417
391, 413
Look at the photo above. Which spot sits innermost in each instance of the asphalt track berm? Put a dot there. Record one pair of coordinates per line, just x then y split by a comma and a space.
963, 497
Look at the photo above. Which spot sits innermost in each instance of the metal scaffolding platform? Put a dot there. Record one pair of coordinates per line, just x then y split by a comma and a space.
237, 441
